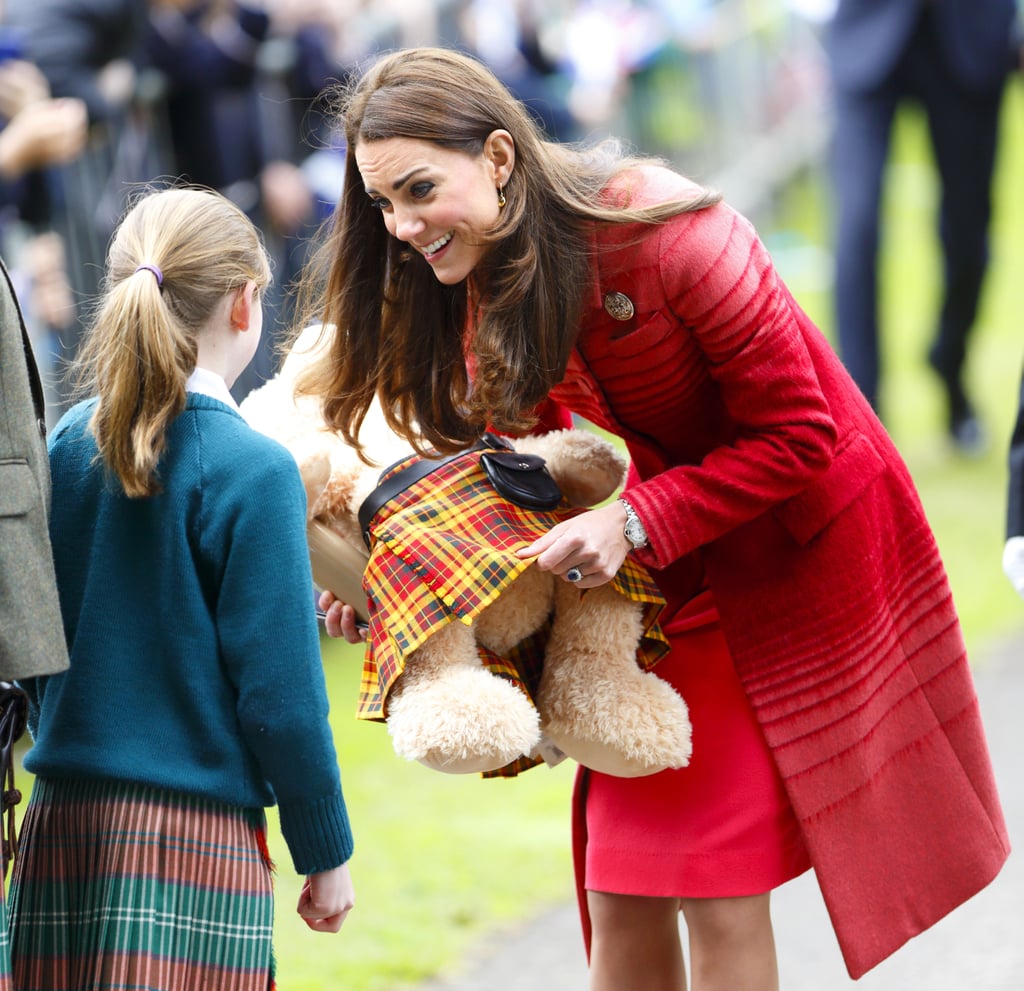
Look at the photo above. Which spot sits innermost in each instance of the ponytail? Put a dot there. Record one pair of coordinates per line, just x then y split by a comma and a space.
175, 256
141, 384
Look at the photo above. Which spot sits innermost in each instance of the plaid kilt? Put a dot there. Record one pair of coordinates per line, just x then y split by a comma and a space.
121, 886
442, 551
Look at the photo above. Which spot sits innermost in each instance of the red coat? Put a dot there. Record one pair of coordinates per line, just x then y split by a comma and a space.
757, 461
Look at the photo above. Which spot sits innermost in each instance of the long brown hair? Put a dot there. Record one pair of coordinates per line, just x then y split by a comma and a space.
399, 334
174, 257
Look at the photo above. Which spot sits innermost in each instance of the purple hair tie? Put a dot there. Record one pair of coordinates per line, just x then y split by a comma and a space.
156, 271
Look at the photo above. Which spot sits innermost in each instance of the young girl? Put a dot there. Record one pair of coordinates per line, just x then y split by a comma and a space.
195, 695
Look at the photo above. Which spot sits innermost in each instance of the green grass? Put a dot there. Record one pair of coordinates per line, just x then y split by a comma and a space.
442, 860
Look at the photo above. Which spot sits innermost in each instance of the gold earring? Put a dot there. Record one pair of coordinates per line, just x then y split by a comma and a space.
501, 197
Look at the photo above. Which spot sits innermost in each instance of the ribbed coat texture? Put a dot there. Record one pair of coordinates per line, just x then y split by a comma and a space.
755, 457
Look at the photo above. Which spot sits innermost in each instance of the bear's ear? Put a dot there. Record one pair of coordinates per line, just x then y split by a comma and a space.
588, 468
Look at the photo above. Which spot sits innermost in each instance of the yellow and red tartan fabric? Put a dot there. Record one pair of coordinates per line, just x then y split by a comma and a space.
441, 552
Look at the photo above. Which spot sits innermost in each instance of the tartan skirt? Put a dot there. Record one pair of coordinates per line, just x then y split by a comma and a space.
122, 886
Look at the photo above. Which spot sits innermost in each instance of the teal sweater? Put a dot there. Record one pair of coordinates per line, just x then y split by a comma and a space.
195, 657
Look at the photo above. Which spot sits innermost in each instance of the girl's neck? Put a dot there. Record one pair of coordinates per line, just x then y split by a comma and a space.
207, 382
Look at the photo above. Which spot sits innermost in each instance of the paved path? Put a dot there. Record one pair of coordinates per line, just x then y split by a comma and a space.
979, 947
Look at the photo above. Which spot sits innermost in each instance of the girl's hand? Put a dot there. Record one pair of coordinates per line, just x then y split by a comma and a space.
326, 899
593, 542
340, 619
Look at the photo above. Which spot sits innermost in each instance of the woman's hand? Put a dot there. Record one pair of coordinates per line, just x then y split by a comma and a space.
326, 899
593, 542
340, 619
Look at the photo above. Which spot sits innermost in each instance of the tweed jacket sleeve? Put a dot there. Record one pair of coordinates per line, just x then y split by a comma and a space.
31, 634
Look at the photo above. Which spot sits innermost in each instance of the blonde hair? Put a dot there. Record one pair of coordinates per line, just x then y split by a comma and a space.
401, 333
141, 345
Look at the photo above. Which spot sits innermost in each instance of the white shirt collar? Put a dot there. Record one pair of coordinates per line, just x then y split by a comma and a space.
208, 383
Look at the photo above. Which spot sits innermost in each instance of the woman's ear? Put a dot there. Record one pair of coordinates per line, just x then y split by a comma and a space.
500, 151
241, 306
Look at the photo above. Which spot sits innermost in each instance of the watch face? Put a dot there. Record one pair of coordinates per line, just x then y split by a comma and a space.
634, 530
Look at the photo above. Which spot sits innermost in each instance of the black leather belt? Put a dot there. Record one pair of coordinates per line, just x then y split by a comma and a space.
396, 484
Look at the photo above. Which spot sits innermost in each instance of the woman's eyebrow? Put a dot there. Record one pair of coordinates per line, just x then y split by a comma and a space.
401, 180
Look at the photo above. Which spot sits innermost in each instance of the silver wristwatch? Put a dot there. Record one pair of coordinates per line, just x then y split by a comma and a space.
634, 529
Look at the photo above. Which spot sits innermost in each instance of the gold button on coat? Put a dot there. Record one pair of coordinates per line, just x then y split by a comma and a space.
618, 306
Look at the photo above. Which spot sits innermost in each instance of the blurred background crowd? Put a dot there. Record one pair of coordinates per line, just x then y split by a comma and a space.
98, 95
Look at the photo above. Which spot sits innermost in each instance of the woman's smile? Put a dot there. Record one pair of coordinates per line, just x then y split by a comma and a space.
430, 251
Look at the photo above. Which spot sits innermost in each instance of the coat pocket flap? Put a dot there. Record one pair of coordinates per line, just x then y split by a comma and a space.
854, 468
19, 493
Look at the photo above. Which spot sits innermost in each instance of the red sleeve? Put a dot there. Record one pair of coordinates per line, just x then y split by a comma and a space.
722, 288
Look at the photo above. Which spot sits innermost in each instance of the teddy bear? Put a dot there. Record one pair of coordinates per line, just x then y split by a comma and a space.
453, 692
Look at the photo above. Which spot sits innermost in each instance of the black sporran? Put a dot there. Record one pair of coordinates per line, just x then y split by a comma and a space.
523, 479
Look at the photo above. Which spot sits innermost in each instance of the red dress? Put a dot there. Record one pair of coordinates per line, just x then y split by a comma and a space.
720, 827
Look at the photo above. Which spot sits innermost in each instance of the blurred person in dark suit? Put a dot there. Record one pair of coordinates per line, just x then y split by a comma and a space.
88, 51
38, 133
953, 58
207, 52
80, 46
170, 87
244, 82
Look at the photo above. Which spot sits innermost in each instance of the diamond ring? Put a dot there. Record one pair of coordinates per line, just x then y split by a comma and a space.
574, 575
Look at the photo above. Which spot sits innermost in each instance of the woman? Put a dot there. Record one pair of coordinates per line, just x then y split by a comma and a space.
480, 276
